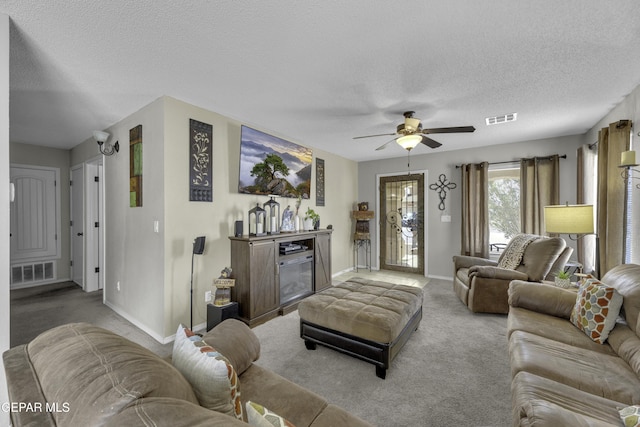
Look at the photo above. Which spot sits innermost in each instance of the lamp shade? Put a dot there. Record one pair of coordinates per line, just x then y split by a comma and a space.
100, 137
409, 142
569, 219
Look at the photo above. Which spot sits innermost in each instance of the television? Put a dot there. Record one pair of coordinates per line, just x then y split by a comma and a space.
272, 166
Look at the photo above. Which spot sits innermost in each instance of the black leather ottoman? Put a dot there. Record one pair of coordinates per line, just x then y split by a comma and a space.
367, 319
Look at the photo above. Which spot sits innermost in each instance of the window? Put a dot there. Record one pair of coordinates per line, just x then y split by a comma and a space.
504, 205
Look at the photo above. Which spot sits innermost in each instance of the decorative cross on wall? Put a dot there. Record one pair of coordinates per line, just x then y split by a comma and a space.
441, 186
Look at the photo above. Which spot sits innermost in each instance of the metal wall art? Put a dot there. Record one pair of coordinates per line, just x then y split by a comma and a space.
441, 186
319, 182
200, 169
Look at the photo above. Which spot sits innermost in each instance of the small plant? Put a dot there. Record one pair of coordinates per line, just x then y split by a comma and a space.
564, 275
312, 215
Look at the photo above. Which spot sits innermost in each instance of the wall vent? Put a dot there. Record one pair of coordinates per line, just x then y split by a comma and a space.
505, 118
33, 273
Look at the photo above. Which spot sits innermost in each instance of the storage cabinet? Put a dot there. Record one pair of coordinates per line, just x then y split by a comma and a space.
256, 267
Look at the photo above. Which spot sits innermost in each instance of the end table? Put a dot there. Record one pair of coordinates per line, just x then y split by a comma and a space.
218, 313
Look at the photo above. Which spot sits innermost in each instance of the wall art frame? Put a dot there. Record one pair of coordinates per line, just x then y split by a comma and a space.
320, 180
135, 167
200, 161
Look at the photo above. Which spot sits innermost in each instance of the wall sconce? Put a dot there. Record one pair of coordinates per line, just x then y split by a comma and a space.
101, 139
627, 164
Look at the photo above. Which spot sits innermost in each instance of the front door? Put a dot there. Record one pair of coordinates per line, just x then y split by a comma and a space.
402, 223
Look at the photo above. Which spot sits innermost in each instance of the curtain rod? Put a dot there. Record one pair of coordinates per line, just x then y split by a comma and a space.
563, 156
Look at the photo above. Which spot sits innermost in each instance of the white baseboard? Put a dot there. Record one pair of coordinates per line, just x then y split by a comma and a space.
152, 334
440, 277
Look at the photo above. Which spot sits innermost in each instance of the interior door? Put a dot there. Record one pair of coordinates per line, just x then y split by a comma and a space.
402, 223
77, 225
34, 214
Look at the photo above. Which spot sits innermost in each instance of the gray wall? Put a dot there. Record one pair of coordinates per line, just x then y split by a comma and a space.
443, 238
154, 268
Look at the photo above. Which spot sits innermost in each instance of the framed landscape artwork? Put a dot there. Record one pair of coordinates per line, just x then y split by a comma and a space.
272, 166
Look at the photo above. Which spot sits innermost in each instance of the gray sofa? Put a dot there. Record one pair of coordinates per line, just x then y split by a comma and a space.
81, 375
560, 376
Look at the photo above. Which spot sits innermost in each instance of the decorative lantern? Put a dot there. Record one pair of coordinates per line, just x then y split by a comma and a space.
256, 221
272, 211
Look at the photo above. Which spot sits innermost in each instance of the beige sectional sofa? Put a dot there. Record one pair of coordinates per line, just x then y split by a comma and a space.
561, 377
82, 375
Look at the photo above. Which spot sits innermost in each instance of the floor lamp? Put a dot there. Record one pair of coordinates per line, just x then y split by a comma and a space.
198, 249
572, 220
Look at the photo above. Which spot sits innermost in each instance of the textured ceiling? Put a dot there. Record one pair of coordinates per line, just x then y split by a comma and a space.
323, 73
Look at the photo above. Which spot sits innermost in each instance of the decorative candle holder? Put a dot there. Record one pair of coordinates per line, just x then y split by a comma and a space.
272, 211
256, 221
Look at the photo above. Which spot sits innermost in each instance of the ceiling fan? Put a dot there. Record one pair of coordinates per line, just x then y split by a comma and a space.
411, 133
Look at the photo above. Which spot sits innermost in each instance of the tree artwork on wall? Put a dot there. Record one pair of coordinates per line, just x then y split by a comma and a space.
135, 167
200, 168
441, 186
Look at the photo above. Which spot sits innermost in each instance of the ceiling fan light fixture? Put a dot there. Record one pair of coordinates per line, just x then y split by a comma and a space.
409, 142
411, 124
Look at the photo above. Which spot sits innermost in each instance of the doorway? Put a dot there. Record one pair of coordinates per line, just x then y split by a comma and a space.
401, 224
87, 225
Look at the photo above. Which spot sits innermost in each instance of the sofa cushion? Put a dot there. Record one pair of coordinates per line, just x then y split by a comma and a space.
297, 404
259, 416
167, 412
540, 256
98, 373
625, 279
596, 309
212, 376
544, 402
576, 367
236, 341
555, 328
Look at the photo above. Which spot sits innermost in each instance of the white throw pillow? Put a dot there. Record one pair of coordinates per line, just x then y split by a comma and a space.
212, 377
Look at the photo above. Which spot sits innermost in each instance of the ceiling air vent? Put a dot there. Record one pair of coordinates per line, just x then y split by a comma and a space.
501, 119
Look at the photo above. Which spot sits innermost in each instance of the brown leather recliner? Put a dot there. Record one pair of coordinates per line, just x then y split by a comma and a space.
482, 286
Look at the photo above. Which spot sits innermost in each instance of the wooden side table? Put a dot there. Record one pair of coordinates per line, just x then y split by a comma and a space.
218, 313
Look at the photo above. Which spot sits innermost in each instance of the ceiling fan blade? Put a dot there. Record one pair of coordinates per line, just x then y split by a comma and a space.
383, 146
371, 136
430, 142
458, 129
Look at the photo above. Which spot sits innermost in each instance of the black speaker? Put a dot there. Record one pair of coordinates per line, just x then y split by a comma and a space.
238, 229
198, 245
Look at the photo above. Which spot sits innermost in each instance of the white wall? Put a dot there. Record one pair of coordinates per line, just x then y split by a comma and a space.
4, 205
444, 237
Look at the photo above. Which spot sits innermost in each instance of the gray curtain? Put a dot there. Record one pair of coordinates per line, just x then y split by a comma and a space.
539, 187
586, 195
612, 141
475, 210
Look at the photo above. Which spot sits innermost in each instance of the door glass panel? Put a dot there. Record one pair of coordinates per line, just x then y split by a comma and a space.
402, 223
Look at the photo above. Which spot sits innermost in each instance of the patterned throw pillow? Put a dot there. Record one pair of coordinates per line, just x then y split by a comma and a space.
211, 375
596, 309
630, 416
259, 416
